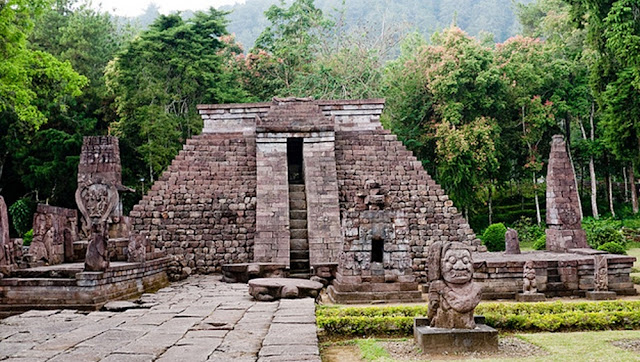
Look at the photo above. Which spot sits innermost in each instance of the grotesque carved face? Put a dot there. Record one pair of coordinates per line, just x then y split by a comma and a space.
457, 266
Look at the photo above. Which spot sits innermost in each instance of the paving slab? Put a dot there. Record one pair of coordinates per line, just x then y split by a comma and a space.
199, 319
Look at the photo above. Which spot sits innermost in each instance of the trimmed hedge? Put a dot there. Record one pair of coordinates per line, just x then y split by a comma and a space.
506, 317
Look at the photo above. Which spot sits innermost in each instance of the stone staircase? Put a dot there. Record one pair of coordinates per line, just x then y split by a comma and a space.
299, 244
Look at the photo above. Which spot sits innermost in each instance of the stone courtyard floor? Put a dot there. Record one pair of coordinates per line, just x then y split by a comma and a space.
199, 319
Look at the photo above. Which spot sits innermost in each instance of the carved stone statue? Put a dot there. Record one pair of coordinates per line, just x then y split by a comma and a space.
601, 279
453, 295
512, 244
136, 248
96, 200
43, 237
530, 286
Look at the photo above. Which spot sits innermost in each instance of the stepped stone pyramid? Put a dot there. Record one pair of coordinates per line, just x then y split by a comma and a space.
237, 193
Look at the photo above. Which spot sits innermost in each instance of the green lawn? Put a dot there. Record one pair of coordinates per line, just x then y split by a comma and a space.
573, 347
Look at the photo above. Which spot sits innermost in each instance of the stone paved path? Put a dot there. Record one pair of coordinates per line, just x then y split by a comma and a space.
200, 319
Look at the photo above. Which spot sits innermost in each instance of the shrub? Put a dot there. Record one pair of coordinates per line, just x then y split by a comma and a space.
27, 238
541, 243
604, 235
21, 216
528, 231
612, 248
493, 237
506, 317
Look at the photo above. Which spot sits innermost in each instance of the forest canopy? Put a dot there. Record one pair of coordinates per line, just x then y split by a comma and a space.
475, 89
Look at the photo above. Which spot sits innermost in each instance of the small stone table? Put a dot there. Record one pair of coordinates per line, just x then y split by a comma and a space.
268, 289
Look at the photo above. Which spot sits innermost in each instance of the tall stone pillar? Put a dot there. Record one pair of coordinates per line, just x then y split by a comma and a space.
564, 217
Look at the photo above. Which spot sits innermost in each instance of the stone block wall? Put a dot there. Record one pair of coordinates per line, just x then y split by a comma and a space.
375, 171
272, 208
324, 231
54, 231
557, 274
202, 209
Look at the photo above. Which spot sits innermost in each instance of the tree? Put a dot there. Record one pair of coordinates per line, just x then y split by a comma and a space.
35, 88
291, 40
613, 28
448, 96
159, 78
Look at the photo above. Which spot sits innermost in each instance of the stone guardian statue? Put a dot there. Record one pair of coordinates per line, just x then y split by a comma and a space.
453, 296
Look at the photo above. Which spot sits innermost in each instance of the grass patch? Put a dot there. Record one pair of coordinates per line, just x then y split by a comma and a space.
634, 252
570, 347
527, 245
370, 350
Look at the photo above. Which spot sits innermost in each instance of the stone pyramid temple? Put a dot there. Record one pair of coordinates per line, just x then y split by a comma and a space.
316, 187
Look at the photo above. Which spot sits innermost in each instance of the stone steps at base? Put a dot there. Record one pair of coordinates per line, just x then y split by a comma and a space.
298, 224
298, 234
298, 215
299, 254
296, 188
299, 244
300, 264
299, 274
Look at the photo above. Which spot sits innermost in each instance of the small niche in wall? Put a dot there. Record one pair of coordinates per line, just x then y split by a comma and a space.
377, 249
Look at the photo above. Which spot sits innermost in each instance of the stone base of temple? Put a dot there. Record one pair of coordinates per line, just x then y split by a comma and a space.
530, 297
601, 295
557, 274
243, 272
443, 340
398, 292
68, 286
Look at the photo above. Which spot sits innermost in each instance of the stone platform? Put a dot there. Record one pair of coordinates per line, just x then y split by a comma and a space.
68, 286
199, 319
557, 274
343, 293
443, 340
268, 289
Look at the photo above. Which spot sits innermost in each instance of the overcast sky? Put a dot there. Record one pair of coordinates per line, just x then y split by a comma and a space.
136, 7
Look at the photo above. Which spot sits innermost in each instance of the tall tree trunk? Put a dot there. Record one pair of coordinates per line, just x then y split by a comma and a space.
634, 192
592, 169
535, 193
576, 180
610, 194
626, 185
490, 204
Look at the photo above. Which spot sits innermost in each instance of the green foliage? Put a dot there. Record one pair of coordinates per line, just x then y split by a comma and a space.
600, 232
540, 243
291, 40
528, 232
493, 237
27, 238
371, 351
21, 214
612, 248
506, 317
157, 81
444, 100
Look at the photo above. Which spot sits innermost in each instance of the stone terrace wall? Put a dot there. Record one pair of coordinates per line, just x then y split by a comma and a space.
419, 209
202, 209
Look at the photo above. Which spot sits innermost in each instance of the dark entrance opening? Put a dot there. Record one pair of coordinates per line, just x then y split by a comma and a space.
294, 161
377, 249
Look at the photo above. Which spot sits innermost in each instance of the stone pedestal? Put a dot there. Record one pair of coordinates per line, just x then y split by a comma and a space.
443, 340
530, 297
601, 295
